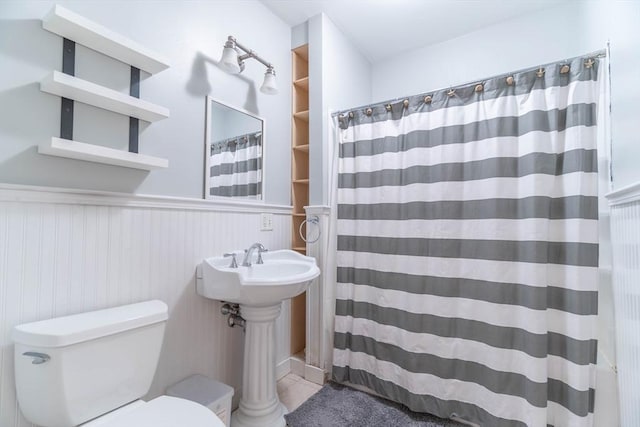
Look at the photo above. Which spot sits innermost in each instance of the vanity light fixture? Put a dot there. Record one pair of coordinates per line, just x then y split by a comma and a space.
232, 62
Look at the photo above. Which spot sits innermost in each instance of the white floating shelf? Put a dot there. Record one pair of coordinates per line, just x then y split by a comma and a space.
81, 30
98, 154
71, 87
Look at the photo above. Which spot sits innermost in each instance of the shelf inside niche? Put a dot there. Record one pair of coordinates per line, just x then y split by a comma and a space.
81, 30
98, 154
301, 181
303, 148
302, 115
302, 83
65, 85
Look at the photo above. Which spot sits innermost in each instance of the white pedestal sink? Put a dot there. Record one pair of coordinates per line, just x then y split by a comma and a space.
260, 290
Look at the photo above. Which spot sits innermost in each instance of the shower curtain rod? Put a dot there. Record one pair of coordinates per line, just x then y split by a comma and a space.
602, 53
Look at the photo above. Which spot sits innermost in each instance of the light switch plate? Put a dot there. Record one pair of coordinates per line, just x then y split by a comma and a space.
266, 222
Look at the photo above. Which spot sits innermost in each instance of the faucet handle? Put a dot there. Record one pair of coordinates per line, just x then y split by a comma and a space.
234, 263
259, 261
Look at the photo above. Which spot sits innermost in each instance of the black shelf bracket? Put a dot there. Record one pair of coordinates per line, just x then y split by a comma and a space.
134, 124
66, 104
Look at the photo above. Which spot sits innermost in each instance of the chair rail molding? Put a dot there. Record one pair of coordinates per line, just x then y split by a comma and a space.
36, 194
628, 194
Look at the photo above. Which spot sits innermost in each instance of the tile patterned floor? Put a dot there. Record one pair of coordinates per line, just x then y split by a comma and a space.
293, 390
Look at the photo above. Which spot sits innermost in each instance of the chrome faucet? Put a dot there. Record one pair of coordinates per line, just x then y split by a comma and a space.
246, 262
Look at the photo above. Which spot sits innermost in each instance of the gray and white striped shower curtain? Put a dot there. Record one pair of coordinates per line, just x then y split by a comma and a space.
236, 166
468, 249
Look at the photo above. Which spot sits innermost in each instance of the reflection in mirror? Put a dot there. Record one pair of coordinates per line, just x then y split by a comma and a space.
234, 147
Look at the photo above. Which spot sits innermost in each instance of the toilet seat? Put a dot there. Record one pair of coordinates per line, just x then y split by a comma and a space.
164, 411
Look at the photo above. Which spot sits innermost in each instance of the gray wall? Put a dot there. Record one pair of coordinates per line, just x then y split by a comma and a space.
191, 35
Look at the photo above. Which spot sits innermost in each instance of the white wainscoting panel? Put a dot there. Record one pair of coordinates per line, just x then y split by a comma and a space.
71, 256
625, 238
320, 302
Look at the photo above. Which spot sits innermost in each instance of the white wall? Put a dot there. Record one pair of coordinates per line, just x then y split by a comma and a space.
539, 38
191, 35
339, 78
625, 92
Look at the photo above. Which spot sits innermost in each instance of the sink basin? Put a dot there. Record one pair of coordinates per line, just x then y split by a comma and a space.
283, 275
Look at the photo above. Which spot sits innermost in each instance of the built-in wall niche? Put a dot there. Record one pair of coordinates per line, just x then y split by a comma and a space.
77, 29
299, 182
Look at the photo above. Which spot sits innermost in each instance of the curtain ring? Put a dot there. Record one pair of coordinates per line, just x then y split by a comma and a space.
388, 107
368, 111
428, 99
565, 69
510, 80
451, 92
405, 103
540, 72
351, 114
479, 88
589, 63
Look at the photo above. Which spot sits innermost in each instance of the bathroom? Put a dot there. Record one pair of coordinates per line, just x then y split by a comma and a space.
78, 236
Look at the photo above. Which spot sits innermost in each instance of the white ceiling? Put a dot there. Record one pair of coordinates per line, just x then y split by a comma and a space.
384, 28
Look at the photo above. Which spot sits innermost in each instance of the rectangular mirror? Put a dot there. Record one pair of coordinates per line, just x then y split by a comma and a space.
234, 152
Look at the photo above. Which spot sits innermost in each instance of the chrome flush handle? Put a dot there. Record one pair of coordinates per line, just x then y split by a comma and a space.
38, 358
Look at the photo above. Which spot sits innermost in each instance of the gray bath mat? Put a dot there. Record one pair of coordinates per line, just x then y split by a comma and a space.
336, 405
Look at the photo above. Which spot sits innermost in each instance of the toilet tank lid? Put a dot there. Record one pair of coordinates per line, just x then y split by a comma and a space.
67, 330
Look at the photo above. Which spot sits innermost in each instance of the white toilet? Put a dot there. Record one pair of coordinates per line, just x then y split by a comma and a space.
91, 369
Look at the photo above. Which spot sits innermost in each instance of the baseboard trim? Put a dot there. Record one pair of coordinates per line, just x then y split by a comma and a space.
314, 374
298, 367
283, 368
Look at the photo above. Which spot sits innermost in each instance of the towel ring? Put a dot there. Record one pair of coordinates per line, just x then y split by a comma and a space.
312, 220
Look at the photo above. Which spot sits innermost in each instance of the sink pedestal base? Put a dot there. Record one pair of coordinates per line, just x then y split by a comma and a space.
259, 405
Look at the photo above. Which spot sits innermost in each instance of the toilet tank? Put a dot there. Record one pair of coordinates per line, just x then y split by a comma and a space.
92, 362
